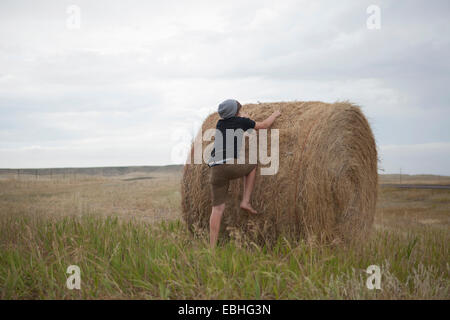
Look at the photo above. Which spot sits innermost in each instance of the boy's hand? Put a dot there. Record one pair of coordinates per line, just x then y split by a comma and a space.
266, 124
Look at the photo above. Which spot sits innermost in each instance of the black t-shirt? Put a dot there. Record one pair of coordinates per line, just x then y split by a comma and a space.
238, 126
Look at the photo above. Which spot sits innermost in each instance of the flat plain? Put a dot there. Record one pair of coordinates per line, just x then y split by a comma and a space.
125, 233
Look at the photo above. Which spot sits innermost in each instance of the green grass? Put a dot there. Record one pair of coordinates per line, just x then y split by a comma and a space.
134, 259
129, 243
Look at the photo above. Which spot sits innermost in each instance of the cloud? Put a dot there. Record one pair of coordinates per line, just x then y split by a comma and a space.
431, 158
138, 70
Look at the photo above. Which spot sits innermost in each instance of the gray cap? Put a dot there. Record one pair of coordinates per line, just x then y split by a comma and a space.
228, 108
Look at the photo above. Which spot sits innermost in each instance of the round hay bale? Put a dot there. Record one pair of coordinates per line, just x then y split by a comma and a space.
326, 185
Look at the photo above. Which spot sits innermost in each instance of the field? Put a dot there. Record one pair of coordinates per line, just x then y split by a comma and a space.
126, 235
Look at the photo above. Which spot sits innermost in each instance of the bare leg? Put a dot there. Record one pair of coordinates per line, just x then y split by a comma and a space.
249, 183
214, 223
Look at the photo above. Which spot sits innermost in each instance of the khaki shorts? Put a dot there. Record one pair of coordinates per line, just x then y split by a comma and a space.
221, 176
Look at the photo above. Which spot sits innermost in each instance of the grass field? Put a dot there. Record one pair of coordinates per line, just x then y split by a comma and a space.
125, 234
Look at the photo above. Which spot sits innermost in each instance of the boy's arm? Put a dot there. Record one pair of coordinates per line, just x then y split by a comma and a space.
266, 124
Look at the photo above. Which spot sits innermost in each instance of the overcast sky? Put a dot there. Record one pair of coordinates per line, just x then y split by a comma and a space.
138, 77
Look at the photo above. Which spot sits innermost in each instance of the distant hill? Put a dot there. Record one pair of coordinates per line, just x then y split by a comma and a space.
413, 179
178, 169
104, 171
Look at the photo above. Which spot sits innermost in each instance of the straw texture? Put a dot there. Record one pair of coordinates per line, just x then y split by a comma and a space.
326, 186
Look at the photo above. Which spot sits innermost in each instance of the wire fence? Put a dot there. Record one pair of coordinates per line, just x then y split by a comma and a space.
74, 174
47, 174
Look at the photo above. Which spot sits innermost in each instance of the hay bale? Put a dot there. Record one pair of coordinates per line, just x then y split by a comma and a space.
326, 186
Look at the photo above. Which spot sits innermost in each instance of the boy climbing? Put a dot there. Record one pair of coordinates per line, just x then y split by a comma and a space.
223, 166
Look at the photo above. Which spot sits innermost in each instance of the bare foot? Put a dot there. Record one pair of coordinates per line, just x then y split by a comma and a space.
248, 207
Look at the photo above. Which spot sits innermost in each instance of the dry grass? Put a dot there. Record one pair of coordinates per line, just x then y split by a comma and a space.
103, 226
149, 197
413, 209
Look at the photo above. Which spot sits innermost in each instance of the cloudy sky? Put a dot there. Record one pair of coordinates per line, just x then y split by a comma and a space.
132, 82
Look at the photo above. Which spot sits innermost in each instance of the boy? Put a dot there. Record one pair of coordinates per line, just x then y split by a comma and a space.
221, 169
